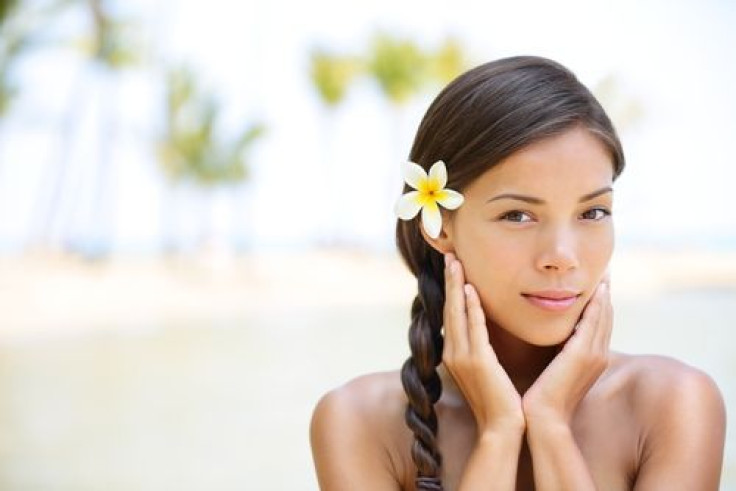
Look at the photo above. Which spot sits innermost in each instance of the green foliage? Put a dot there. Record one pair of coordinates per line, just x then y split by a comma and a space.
191, 147
9, 51
112, 42
398, 65
16, 28
6, 8
448, 62
7, 93
332, 75
12, 44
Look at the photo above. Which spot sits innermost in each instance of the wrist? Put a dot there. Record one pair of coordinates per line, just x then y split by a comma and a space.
509, 431
544, 415
508, 441
550, 427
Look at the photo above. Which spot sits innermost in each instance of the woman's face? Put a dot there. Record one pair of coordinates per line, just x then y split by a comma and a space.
535, 235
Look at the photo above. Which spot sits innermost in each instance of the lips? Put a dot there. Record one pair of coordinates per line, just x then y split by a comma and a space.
552, 300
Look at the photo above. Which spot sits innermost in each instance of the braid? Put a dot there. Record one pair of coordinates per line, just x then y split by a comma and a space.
419, 374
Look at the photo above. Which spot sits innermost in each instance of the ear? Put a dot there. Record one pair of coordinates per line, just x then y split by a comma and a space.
443, 243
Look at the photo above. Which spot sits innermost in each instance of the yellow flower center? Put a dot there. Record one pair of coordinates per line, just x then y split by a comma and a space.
430, 192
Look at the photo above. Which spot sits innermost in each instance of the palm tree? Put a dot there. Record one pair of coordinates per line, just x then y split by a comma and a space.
19, 29
447, 62
402, 70
109, 48
331, 75
191, 149
399, 66
12, 43
113, 48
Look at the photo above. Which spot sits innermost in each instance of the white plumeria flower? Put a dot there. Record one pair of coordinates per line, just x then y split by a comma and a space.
429, 192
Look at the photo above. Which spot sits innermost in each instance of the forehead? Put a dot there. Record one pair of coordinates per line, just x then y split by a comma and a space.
575, 161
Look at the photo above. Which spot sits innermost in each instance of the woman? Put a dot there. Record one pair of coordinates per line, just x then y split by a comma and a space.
510, 383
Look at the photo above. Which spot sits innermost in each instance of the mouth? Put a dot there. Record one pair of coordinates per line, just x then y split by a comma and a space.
555, 301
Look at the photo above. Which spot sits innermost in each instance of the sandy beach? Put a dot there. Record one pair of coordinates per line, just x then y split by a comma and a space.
58, 294
201, 373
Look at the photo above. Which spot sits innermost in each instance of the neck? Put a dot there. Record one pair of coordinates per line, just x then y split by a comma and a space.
523, 362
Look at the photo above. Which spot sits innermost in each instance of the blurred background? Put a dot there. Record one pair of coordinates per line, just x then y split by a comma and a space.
196, 226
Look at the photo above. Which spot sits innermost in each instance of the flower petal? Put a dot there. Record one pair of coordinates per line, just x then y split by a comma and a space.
432, 219
408, 205
450, 199
439, 171
414, 175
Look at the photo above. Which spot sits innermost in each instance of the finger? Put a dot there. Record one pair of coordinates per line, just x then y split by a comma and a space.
602, 338
458, 268
603, 324
477, 330
609, 318
455, 320
588, 327
606, 278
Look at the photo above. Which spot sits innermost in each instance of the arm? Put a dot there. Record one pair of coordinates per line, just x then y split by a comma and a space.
684, 445
346, 452
558, 462
493, 462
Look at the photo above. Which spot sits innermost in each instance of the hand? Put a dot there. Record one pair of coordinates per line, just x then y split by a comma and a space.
556, 393
470, 359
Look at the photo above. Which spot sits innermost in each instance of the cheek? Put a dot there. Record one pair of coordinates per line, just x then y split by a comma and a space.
596, 254
492, 265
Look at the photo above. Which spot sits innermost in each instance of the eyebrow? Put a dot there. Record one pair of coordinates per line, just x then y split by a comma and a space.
538, 201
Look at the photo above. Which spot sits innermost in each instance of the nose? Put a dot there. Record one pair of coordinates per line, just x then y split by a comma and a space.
558, 250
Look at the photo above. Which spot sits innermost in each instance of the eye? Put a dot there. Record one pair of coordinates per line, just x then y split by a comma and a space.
596, 214
515, 216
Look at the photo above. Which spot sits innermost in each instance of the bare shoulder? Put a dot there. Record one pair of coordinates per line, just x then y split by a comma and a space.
682, 420
375, 400
353, 430
653, 381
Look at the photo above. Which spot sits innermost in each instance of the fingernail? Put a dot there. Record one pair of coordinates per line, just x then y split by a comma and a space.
468, 289
447, 260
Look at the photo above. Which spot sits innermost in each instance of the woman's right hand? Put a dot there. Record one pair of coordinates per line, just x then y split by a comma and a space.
470, 359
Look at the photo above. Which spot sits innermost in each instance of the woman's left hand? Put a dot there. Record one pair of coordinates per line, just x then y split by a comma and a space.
556, 393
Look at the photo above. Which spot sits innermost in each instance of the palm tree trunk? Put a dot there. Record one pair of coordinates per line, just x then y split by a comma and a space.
394, 180
329, 226
47, 209
100, 235
169, 207
216, 245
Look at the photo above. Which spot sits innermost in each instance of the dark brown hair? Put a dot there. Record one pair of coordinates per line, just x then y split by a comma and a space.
478, 120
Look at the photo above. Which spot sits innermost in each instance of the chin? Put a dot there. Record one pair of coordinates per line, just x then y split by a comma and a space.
544, 333
548, 339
